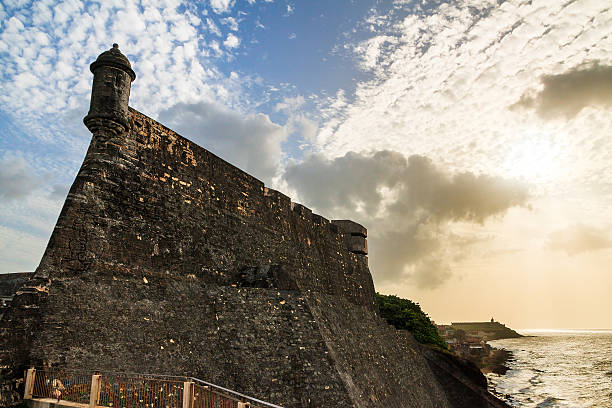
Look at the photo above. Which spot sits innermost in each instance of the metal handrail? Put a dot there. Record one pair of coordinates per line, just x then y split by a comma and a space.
244, 398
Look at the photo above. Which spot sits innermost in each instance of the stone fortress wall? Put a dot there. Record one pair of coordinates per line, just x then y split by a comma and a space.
165, 205
167, 259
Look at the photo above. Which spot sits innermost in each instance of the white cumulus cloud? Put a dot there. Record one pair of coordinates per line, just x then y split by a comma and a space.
221, 6
231, 41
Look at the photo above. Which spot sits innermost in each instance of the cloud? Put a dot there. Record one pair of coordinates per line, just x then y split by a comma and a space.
231, 41
372, 52
416, 187
20, 251
250, 141
163, 41
59, 192
431, 273
231, 23
221, 6
407, 203
27, 216
579, 238
17, 178
439, 77
290, 104
397, 253
212, 27
568, 93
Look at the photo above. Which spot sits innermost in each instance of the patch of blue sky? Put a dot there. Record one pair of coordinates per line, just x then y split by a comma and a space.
54, 152
299, 46
296, 49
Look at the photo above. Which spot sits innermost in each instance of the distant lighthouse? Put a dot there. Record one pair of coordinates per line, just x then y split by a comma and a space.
110, 94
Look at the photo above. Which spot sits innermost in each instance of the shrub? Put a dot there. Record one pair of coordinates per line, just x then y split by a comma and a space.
404, 314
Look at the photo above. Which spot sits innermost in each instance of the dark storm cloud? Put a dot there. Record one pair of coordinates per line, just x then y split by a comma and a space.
431, 273
405, 252
568, 93
251, 142
407, 202
421, 189
579, 238
17, 178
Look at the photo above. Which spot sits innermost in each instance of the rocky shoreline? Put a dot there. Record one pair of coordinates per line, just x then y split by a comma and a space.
469, 340
495, 362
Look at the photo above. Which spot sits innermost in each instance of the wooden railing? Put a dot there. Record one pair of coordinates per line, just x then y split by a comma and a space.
128, 390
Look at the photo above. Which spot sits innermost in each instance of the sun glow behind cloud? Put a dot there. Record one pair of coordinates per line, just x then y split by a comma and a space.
533, 159
446, 83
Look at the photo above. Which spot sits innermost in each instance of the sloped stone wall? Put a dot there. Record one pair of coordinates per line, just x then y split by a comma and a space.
167, 259
153, 200
263, 342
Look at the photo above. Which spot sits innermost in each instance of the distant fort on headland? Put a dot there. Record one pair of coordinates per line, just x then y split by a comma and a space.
486, 330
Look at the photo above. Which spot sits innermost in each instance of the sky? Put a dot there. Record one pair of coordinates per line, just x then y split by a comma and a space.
471, 137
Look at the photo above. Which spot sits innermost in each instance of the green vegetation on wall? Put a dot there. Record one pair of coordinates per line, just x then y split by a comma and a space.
404, 314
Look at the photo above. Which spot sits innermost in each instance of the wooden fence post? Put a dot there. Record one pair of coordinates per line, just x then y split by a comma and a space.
29, 383
94, 394
188, 394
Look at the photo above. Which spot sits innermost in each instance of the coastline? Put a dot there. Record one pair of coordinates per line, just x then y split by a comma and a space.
495, 362
555, 368
470, 341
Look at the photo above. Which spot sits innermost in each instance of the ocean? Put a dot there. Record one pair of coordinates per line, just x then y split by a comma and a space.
570, 368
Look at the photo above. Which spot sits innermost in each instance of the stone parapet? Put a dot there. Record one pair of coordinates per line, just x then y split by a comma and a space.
351, 227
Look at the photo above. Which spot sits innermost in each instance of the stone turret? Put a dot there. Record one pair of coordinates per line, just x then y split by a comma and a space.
356, 233
110, 94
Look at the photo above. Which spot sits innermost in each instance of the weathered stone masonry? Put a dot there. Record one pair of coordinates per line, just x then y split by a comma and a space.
167, 259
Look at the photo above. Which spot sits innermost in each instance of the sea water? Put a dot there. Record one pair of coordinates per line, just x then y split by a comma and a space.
553, 368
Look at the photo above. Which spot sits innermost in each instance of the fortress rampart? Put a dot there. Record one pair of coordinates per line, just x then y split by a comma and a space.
167, 259
154, 202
